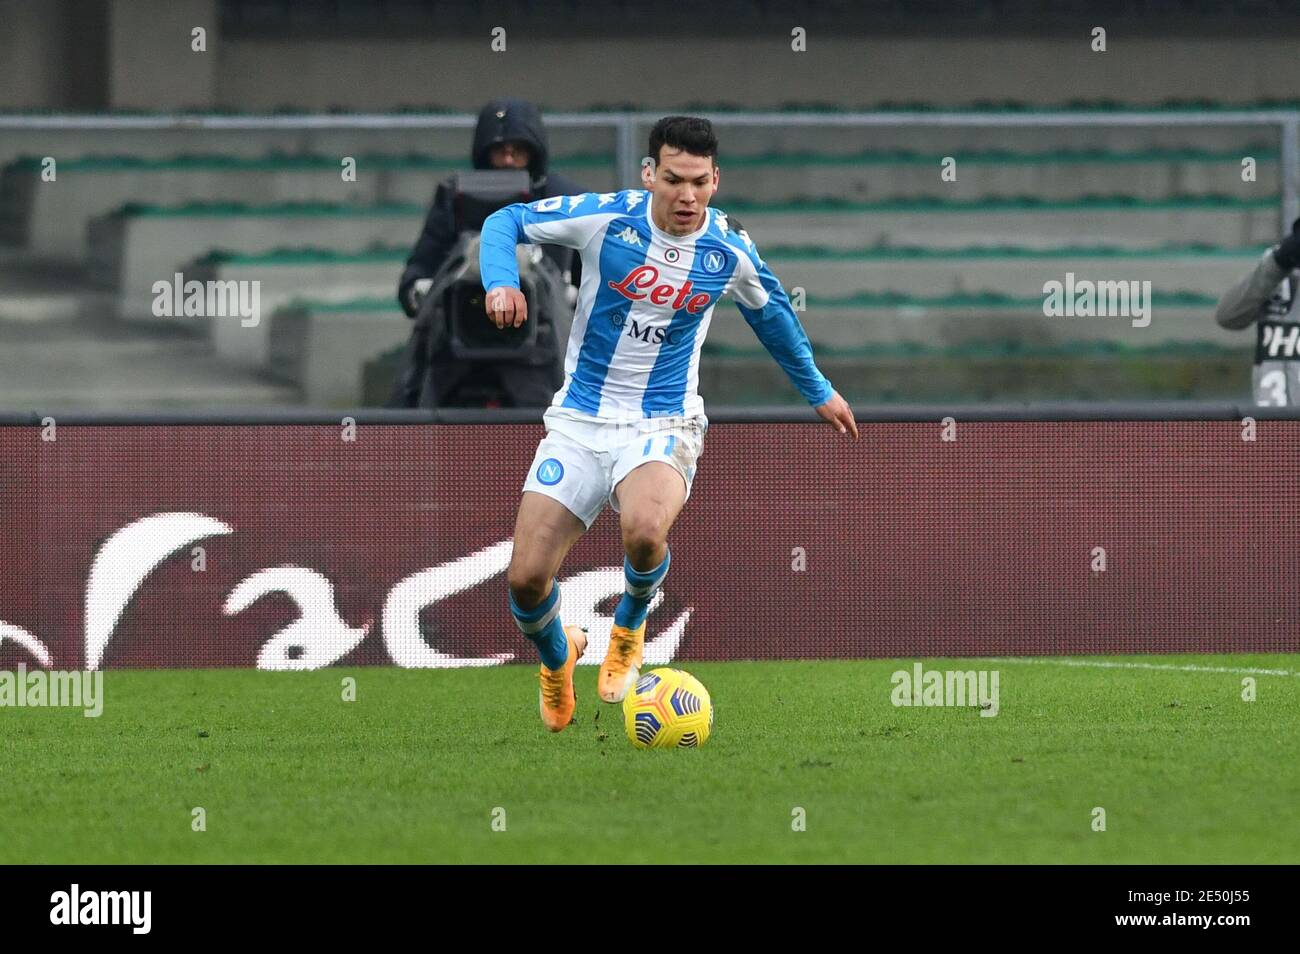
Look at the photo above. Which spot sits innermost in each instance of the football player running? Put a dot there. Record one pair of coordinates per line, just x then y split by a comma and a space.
628, 426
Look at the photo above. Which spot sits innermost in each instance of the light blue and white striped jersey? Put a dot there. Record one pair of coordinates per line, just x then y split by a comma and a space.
646, 300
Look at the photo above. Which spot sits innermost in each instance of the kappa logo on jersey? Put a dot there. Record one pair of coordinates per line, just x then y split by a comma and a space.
605, 198
643, 282
575, 201
630, 236
634, 199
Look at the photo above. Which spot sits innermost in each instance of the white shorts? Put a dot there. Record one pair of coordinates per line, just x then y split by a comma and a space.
581, 460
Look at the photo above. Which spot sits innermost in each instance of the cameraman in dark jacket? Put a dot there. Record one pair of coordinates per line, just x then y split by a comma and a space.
1267, 296
509, 135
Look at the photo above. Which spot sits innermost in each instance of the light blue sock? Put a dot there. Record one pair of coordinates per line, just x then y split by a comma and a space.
541, 624
640, 590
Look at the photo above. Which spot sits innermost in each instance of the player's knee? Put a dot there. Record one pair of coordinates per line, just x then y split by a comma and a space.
528, 585
643, 532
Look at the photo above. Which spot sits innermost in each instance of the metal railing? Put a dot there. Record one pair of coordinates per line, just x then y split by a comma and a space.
627, 127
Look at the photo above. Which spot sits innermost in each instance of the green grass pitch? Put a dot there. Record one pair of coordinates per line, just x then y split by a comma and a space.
413, 770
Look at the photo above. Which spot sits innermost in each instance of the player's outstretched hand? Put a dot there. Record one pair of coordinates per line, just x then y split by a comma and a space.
507, 307
839, 414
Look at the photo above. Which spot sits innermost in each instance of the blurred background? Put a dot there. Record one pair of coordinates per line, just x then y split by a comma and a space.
141, 139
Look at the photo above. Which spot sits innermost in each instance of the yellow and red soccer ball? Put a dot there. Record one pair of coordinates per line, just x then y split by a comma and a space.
667, 708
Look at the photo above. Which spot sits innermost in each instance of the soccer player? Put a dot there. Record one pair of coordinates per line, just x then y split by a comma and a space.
627, 426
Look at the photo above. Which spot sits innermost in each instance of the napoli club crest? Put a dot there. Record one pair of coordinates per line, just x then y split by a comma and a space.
713, 261
549, 472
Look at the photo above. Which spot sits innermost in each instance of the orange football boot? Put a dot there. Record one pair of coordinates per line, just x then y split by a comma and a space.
555, 695
622, 665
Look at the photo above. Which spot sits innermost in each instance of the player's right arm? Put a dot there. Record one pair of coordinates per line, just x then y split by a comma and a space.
568, 220
1247, 301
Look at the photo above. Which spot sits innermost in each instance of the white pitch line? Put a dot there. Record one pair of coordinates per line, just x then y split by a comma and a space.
1103, 664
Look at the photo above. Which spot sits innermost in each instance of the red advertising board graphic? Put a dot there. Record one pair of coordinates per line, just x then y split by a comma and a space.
287, 546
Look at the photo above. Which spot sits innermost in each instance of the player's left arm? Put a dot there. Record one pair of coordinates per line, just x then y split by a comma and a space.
766, 307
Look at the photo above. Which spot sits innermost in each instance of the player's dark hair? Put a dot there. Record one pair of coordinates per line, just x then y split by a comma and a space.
687, 133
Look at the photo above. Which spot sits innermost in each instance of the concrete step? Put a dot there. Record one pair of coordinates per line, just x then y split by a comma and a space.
36, 290
130, 253
968, 379
54, 306
80, 364
1045, 228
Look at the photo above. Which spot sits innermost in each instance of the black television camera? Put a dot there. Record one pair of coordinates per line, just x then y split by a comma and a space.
452, 319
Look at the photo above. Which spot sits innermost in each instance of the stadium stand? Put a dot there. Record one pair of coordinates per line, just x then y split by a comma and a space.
915, 287
287, 275
52, 221
131, 249
323, 347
